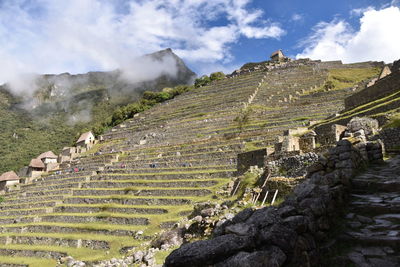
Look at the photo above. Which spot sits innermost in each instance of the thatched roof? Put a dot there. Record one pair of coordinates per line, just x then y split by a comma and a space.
84, 136
48, 155
9, 176
36, 163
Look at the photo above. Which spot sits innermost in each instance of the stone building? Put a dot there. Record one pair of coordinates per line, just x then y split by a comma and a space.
252, 158
277, 56
68, 154
50, 160
86, 140
293, 140
8, 179
48, 157
36, 168
329, 134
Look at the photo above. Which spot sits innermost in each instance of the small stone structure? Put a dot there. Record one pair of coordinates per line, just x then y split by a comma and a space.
8, 179
277, 56
329, 134
50, 160
299, 139
86, 140
36, 168
252, 158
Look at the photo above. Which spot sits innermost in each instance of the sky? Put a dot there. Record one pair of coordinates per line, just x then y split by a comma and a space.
77, 36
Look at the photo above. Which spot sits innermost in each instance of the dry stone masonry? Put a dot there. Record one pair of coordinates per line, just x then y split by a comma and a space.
290, 234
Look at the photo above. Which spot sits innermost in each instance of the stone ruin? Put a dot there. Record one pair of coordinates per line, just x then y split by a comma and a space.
292, 233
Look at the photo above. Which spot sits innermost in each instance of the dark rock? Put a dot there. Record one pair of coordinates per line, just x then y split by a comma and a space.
287, 210
344, 142
298, 223
241, 229
206, 252
303, 190
243, 215
272, 257
264, 217
318, 166
279, 235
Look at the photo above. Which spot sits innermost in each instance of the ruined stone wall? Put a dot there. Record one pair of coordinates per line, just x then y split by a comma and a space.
292, 166
328, 134
390, 138
289, 234
384, 87
251, 158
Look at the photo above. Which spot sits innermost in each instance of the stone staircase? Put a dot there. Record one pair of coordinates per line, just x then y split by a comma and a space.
371, 236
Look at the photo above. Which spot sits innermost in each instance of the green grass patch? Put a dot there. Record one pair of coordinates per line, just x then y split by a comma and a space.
339, 79
31, 262
394, 121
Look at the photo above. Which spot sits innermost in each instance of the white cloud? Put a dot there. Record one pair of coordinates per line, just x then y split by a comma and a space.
377, 38
53, 36
297, 17
360, 11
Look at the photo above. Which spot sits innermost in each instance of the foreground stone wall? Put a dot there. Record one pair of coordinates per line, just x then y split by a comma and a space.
289, 234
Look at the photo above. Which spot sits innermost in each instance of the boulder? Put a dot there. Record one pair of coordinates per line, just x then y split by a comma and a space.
207, 252
274, 256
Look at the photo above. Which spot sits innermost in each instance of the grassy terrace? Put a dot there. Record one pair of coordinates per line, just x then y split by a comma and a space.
63, 213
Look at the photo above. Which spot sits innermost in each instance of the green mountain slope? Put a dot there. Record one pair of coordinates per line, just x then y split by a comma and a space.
64, 105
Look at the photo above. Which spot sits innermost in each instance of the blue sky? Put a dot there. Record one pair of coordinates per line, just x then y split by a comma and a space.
76, 36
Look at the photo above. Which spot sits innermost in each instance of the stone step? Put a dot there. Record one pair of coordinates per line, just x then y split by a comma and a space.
365, 185
369, 240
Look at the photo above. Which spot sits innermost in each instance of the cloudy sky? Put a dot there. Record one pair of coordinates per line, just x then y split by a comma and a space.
76, 36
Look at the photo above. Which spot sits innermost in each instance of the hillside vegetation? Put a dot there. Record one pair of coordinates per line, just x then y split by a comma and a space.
63, 106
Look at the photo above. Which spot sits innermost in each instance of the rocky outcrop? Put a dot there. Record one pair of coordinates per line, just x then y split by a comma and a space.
289, 234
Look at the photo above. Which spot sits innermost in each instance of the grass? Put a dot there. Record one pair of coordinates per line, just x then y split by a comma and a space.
359, 111
32, 262
339, 79
394, 121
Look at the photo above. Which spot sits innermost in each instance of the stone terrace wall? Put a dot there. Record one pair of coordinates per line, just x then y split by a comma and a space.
390, 138
337, 64
384, 87
289, 234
